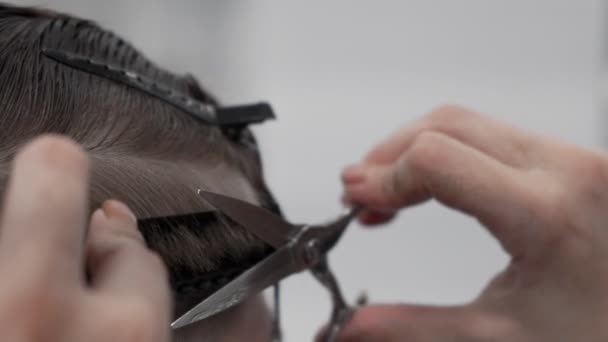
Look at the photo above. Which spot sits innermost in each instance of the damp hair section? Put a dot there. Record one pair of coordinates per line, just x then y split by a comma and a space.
145, 150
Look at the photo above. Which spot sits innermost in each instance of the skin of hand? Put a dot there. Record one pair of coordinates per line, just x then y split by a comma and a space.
545, 201
45, 249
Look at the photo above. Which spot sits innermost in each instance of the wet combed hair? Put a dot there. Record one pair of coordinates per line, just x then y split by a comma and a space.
145, 151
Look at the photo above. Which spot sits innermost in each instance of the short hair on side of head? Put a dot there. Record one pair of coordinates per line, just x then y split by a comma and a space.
145, 152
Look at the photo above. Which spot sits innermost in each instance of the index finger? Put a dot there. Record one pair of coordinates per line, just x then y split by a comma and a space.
45, 206
496, 139
462, 178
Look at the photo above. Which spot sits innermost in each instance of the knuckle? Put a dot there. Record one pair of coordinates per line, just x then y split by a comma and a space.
425, 151
478, 326
567, 199
394, 187
547, 210
589, 177
570, 202
543, 206
448, 114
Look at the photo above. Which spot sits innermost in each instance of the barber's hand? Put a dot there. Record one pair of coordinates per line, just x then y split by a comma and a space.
544, 200
44, 295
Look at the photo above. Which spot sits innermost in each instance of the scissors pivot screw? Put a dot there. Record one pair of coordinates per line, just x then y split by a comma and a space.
312, 252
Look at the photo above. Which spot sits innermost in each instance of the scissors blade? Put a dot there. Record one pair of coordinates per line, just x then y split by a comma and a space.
266, 273
267, 226
334, 230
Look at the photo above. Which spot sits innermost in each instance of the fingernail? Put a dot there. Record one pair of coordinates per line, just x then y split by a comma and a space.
116, 209
375, 217
354, 174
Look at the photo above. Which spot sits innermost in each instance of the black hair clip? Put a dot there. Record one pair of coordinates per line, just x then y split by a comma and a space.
225, 117
243, 115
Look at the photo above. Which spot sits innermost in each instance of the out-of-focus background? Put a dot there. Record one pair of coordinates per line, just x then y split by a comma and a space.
343, 74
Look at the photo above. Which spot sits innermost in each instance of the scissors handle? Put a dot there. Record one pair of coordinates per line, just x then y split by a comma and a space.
341, 311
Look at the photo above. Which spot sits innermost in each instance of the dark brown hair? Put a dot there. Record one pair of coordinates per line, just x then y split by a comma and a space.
145, 151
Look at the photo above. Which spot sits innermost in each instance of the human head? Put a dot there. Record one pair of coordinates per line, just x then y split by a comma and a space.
145, 151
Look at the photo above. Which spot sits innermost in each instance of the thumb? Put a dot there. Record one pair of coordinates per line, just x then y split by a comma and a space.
411, 323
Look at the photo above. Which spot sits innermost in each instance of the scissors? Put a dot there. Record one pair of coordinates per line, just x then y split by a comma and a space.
297, 248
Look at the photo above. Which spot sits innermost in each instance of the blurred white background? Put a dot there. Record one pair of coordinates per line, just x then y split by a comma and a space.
343, 74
